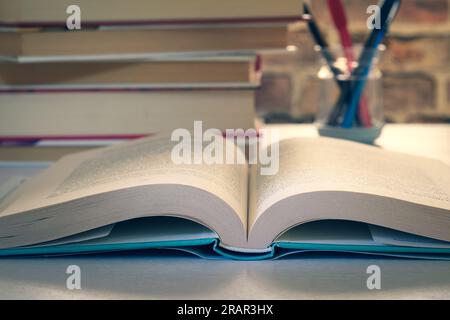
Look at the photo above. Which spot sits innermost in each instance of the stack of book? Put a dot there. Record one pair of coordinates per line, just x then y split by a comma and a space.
135, 67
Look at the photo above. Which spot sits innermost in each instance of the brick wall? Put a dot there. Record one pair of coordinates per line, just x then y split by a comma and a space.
416, 65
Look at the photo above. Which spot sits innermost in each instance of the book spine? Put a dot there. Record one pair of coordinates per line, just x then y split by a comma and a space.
91, 24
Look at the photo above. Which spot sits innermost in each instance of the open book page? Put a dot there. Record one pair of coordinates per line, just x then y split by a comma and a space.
314, 165
143, 162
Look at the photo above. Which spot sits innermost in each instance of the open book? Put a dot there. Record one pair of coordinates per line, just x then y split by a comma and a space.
328, 195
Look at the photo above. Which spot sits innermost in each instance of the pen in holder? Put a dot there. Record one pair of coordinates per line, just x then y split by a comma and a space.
339, 83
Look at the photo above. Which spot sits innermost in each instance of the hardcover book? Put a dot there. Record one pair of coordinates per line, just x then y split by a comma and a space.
326, 195
106, 12
99, 112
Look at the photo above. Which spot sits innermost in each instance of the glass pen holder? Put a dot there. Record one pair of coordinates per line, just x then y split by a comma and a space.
350, 102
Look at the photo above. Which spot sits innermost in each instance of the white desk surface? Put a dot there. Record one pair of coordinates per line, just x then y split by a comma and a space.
164, 276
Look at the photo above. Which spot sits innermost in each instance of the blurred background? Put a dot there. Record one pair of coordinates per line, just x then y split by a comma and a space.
416, 65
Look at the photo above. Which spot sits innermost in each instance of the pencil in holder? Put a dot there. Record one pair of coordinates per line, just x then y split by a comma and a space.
337, 85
